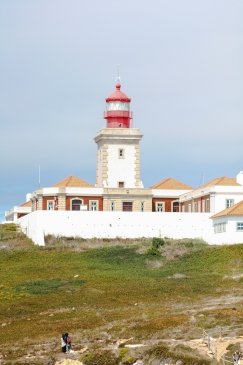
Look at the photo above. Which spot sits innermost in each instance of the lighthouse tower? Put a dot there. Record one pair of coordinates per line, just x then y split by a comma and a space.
118, 150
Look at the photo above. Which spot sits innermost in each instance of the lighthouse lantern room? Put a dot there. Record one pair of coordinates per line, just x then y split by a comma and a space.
117, 112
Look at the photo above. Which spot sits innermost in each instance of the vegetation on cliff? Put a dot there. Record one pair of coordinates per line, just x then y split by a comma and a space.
103, 290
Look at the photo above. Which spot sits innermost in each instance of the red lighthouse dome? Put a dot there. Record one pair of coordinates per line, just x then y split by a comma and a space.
118, 113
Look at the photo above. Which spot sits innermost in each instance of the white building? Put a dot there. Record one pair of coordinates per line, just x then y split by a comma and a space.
228, 224
214, 196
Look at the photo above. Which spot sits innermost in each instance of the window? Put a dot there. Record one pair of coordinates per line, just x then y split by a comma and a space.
175, 207
112, 206
50, 204
203, 206
121, 184
117, 105
127, 206
121, 153
76, 204
160, 206
229, 203
220, 227
199, 206
239, 226
93, 205
142, 206
207, 206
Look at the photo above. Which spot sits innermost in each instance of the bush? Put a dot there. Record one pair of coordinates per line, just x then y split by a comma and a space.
158, 351
184, 354
125, 357
101, 358
157, 242
153, 251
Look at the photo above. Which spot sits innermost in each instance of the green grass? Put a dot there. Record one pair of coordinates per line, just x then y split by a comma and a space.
118, 290
11, 237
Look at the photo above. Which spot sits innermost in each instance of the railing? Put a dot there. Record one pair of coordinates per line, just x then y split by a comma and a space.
118, 114
211, 343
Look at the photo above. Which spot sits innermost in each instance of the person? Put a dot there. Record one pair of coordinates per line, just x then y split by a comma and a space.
64, 342
236, 358
239, 357
69, 341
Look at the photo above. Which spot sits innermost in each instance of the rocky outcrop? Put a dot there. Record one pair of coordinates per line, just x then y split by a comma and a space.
68, 362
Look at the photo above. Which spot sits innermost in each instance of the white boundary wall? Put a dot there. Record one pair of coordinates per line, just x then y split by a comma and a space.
117, 224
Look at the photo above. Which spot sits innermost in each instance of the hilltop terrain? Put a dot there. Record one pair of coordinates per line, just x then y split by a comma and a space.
122, 301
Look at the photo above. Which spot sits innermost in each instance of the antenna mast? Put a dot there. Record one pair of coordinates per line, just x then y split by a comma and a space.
118, 77
39, 176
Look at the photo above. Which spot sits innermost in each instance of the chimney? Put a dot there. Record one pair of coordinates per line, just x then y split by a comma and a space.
239, 178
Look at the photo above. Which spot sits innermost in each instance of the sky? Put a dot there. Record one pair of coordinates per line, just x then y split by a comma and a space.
181, 62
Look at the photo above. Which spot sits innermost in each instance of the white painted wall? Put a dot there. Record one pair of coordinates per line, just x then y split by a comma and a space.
168, 193
231, 235
220, 200
239, 178
117, 224
12, 214
69, 191
121, 169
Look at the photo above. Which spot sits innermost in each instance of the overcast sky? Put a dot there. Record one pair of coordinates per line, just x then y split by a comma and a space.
181, 62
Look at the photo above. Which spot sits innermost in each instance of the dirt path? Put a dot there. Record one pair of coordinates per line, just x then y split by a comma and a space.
218, 346
43, 351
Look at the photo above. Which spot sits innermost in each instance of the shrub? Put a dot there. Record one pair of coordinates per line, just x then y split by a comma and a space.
125, 357
157, 242
41, 287
101, 358
183, 354
153, 251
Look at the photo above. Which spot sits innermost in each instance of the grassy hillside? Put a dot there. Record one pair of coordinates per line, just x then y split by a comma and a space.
125, 289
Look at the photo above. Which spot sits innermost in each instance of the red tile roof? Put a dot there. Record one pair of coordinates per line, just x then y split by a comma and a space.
236, 209
27, 204
223, 181
172, 184
73, 181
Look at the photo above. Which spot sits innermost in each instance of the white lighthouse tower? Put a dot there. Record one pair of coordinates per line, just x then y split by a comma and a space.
118, 153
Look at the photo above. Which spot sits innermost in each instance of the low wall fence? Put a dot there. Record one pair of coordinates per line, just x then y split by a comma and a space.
212, 342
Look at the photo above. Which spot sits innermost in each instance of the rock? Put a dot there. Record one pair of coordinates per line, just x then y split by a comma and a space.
138, 362
68, 362
121, 342
83, 350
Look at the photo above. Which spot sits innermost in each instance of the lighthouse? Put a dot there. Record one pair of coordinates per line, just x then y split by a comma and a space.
118, 149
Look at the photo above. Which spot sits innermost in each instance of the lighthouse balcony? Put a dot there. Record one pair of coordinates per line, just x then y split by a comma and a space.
117, 114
